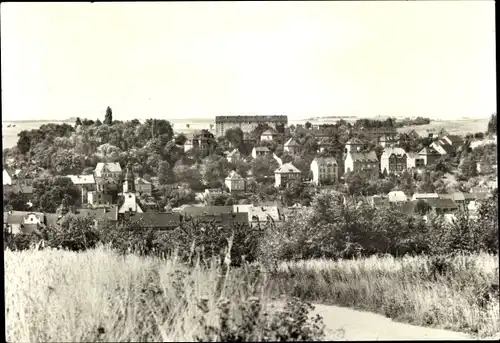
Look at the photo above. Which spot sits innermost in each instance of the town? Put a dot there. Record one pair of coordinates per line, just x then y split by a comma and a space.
253, 170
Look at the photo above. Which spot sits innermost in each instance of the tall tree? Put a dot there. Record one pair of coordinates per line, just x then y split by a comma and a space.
108, 118
492, 124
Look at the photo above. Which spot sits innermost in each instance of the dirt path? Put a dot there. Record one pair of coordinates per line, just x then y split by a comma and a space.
347, 324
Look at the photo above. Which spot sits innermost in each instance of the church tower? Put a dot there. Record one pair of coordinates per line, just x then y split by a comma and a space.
129, 184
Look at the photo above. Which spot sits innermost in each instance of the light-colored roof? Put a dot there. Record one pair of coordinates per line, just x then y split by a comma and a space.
396, 151
364, 156
287, 168
140, 180
268, 132
291, 142
82, 179
111, 166
397, 196
233, 175
425, 195
429, 151
262, 213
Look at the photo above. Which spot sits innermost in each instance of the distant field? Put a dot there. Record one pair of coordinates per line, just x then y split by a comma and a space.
459, 126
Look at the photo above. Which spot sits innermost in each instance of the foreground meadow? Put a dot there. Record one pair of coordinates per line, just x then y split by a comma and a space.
98, 295
456, 293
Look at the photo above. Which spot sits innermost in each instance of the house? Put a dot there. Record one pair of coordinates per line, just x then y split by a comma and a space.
6, 179
292, 146
108, 170
460, 198
23, 222
24, 190
361, 161
429, 155
323, 144
388, 139
160, 221
202, 140
424, 196
286, 174
454, 140
442, 147
397, 197
107, 186
99, 199
143, 187
393, 161
353, 145
233, 156
190, 211
414, 160
235, 183
261, 215
325, 170
99, 216
248, 123
268, 135
260, 151
249, 139
22, 177
85, 183
412, 134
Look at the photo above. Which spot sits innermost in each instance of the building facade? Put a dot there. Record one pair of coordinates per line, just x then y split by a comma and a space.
324, 170
286, 174
247, 123
235, 183
393, 161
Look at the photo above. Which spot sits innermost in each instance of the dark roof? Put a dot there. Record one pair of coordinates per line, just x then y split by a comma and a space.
442, 203
205, 210
17, 188
98, 213
224, 218
156, 220
261, 148
408, 207
429, 151
17, 217
455, 139
364, 156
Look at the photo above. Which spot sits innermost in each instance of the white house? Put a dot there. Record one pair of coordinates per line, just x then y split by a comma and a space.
291, 146
393, 160
86, 183
286, 174
113, 170
324, 170
7, 180
397, 196
268, 135
234, 182
361, 161
260, 151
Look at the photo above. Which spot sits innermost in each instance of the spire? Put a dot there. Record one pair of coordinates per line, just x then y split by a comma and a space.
129, 180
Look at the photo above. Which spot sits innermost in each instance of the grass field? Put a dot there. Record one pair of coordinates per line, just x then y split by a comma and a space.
459, 294
100, 296
460, 126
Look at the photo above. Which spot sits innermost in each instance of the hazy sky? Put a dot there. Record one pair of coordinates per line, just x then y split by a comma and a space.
201, 59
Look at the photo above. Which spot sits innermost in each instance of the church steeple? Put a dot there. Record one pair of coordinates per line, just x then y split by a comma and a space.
129, 186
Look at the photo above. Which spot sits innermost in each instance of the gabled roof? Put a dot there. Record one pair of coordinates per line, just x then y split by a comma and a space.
17, 217
455, 139
140, 180
262, 213
17, 188
82, 179
224, 218
233, 175
396, 151
113, 167
268, 132
234, 152
287, 168
326, 160
429, 151
354, 141
364, 156
291, 142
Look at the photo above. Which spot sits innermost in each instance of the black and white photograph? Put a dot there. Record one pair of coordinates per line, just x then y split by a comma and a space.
249, 171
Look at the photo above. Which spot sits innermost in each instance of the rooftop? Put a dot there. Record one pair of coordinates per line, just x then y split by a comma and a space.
364, 156
287, 168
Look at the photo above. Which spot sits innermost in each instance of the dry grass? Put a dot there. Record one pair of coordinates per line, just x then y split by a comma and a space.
459, 126
99, 295
462, 295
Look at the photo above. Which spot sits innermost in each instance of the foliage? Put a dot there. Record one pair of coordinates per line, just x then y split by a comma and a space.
492, 124
108, 118
49, 193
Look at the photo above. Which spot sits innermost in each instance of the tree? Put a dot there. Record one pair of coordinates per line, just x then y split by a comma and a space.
24, 142
48, 193
78, 122
108, 118
234, 136
422, 207
165, 173
492, 124
308, 125
14, 201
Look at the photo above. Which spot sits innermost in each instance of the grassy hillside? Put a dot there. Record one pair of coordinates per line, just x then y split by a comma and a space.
459, 126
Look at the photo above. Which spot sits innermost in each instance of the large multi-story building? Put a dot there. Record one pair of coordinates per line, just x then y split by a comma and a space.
393, 161
247, 123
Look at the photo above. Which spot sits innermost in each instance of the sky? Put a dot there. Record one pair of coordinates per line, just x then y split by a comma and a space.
202, 59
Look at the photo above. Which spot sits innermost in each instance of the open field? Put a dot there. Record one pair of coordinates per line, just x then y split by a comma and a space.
459, 294
100, 296
460, 126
